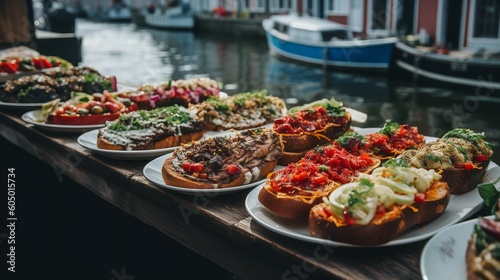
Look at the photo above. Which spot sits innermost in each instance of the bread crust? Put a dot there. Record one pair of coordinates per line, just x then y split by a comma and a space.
290, 157
372, 234
167, 142
296, 146
470, 256
461, 180
171, 176
304, 141
290, 207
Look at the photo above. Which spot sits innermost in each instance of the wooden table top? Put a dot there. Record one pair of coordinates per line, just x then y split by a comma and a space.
217, 227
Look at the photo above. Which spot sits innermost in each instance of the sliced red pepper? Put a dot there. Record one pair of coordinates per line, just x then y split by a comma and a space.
348, 219
36, 63
380, 210
9, 67
467, 165
44, 63
82, 120
480, 158
419, 197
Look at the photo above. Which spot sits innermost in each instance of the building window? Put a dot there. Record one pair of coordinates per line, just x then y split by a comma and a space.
487, 19
281, 5
379, 15
335, 7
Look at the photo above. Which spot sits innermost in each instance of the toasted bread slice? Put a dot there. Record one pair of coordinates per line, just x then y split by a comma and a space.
161, 143
374, 234
174, 178
224, 161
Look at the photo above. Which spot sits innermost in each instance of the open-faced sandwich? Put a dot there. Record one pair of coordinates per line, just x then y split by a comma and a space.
377, 208
56, 84
151, 129
462, 154
180, 92
240, 111
86, 109
308, 126
224, 161
393, 139
293, 191
483, 250
31, 64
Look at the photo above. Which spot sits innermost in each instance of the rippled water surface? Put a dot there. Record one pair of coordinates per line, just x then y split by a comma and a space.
140, 55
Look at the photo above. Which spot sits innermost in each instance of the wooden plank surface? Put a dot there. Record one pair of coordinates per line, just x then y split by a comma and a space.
218, 228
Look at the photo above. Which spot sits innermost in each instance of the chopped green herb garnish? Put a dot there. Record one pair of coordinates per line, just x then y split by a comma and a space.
389, 128
345, 139
396, 162
432, 157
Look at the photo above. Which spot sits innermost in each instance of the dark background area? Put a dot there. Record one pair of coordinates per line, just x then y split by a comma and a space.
64, 231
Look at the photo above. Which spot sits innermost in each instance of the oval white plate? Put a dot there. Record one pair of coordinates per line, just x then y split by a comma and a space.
152, 172
32, 117
443, 257
89, 140
459, 208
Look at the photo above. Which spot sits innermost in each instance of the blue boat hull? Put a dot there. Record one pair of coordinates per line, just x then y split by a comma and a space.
367, 56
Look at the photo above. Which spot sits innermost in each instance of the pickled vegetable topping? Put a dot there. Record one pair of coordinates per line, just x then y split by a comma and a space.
383, 194
181, 92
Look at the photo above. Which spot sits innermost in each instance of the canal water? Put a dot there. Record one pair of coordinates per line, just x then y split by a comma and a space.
142, 55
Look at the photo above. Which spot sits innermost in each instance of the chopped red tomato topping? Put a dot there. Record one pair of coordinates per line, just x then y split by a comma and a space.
192, 167
233, 169
348, 219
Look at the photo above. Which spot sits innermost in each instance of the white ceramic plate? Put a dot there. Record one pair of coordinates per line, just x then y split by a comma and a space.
32, 117
459, 208
89, 140
443, 257
21, 106
152, 171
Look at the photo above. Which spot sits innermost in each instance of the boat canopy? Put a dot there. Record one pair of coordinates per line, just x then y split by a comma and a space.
310, 28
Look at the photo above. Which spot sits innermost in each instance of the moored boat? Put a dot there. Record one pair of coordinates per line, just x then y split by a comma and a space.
323, 42
471, 69
118, 12
178, 17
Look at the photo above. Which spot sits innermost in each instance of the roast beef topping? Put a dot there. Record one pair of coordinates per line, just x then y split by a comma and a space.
226, 158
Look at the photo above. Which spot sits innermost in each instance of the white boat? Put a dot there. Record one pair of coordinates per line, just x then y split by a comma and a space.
324, 42
178, 17
118, 12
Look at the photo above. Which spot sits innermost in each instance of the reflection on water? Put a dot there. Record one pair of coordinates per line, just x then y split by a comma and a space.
138, 56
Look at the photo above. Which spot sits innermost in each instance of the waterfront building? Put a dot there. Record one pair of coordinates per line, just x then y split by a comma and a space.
454, 24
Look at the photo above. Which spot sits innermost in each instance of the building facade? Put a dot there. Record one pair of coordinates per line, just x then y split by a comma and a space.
455, 24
